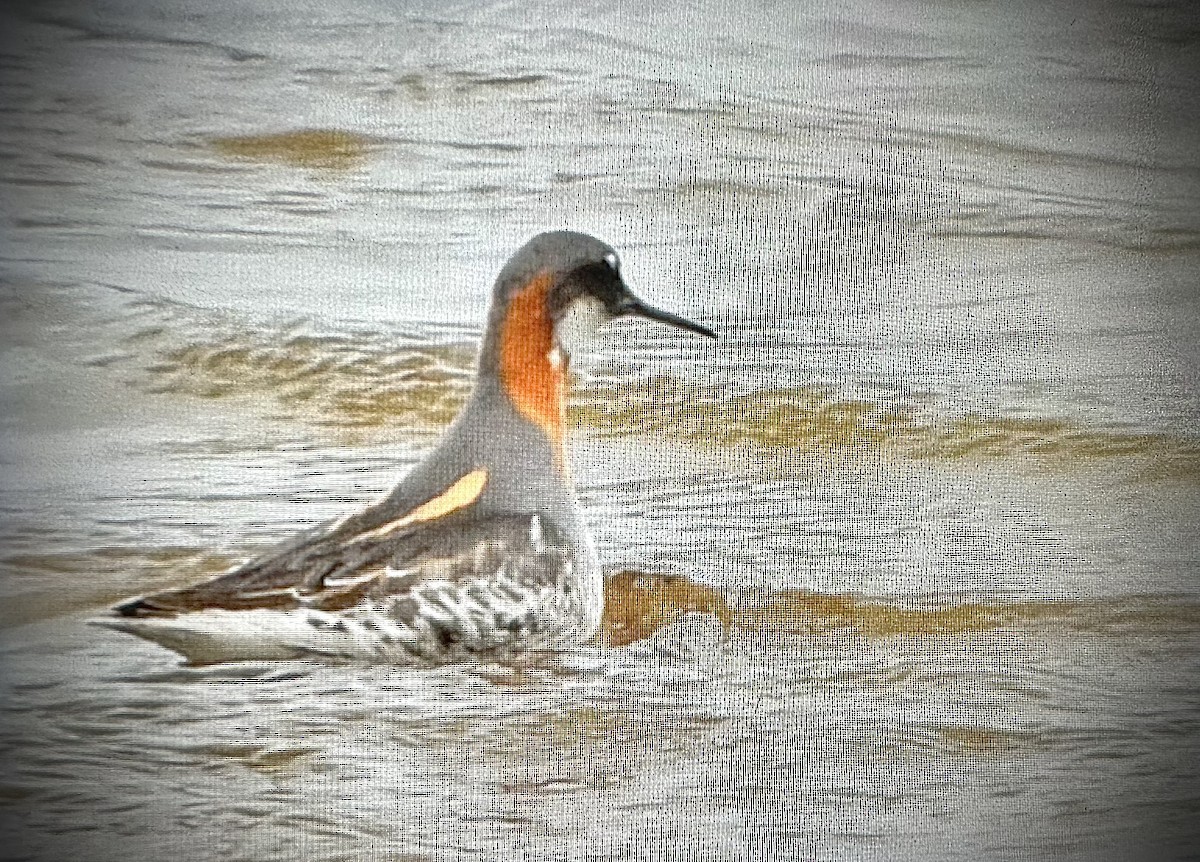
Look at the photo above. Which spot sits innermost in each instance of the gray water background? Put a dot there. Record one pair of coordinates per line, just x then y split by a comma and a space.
942, 461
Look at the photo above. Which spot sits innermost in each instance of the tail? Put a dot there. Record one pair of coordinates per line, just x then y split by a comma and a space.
216, 636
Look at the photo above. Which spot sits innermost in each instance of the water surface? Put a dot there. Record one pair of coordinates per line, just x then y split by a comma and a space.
902, 566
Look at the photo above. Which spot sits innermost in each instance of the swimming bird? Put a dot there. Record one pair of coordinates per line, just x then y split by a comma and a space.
481, 550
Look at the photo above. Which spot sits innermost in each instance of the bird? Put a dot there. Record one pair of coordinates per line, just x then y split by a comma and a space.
481, 550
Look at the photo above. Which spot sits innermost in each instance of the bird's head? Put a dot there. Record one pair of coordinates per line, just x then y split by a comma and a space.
572, 283
552, 295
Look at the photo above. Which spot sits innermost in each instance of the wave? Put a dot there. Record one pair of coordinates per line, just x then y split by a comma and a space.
330, 381
352, 384
815, 419
44, 585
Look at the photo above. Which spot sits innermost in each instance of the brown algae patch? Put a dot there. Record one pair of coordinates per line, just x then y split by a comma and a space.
329, 149
260, 758
637, 604
1054, 439
817, 421
798, 612
805, 613
808, 418
355, 383
985, 741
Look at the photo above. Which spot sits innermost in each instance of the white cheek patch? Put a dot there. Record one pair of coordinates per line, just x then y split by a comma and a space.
576, 330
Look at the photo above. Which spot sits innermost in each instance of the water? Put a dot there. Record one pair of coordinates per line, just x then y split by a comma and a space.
903, 565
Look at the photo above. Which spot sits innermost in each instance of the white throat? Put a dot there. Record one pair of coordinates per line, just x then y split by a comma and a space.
576, 330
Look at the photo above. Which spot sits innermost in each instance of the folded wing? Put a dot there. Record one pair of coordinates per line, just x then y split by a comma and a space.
333, 572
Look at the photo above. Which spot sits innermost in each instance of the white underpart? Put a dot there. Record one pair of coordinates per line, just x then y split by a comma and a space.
361, 578
576, 330
475, 612
211, 636
535, 535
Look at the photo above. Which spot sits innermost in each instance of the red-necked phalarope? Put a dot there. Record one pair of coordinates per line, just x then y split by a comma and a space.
480, 550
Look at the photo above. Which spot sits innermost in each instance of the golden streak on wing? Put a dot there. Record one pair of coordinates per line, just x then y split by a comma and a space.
462, 493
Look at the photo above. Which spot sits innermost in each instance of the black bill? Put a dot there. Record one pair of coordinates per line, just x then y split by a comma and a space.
635, 306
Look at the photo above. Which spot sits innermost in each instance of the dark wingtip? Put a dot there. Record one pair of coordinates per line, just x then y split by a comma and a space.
139, 607
130, 608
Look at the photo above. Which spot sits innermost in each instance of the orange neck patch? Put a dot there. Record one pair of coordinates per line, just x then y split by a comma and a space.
536, 385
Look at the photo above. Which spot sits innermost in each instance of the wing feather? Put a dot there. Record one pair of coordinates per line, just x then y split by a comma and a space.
509, 555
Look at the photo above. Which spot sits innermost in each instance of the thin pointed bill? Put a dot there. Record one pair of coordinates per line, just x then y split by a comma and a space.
636, 307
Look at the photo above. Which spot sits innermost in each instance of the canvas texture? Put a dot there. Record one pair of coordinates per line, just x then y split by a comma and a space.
900, 565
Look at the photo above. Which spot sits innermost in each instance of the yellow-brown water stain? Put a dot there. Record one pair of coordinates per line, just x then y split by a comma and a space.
260, 758
637, 604
807, 613
12, 793
352, 385
1048, 438
328, 149
985, 741
329, 382
818, 421
800, 612
807, 418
